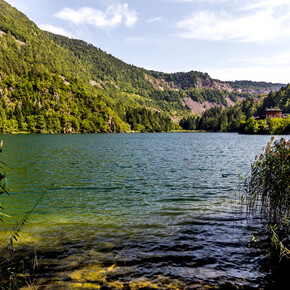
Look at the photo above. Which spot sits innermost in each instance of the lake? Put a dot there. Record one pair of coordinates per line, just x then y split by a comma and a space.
127, 209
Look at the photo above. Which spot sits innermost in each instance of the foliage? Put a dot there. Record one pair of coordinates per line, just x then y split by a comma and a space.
182, 80
267, 192
12, 271
53, 84
279, 99
190, 123
240, 117
258, 86
217, 119
144, 120
39, 90
270, 126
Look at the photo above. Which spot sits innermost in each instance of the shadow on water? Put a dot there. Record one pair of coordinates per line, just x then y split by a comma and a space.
203, 252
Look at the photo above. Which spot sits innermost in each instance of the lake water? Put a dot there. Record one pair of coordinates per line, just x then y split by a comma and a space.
135, 208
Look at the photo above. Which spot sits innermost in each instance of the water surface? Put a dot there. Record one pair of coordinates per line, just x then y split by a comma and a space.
159, 207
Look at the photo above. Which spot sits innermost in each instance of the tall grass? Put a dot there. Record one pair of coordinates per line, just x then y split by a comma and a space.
266, 192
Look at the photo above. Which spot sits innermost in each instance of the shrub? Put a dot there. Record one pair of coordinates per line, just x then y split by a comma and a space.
270, 126
267, 192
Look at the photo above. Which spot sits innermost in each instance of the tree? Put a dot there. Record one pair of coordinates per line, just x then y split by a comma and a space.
224, 122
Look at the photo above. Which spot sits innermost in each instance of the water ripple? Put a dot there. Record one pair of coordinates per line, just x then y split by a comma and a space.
153, 204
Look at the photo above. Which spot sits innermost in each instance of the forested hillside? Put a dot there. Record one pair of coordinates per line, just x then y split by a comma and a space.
241, 116
256, 87
43, 88
48, 88
53, 84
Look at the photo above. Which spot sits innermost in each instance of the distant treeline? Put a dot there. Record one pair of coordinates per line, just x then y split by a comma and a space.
257, 86
240, 117
144, 120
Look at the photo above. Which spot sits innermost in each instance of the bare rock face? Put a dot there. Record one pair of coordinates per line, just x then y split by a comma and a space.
210, 83
112, 124
204, 81
198, 108
160, 84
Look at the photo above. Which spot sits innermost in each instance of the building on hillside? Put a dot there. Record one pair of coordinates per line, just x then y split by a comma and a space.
273, 113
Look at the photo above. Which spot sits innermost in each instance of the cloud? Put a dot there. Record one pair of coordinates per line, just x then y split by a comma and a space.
192, 1
114, 15
254, 73
55, 29
265, 4
251, 4
260, 26
281, 59
271, 68
157, 19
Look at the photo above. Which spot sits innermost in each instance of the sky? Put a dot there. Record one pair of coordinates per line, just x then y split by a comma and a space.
228, 39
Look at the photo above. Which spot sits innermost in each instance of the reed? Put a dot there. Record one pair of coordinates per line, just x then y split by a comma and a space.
266, 191
13, 264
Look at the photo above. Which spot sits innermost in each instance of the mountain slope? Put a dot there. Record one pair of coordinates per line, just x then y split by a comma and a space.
255, 87
128, 77
230, 119
50, 83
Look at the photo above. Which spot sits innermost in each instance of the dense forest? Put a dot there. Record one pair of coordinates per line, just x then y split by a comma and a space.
243, 116
53, 84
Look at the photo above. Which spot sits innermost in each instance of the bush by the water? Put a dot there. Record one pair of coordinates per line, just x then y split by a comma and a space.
267, 192
270, 126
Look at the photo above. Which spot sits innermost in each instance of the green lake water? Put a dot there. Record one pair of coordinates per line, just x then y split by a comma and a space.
150, 206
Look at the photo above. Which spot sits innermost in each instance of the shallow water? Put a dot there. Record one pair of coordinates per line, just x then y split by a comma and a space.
159, 207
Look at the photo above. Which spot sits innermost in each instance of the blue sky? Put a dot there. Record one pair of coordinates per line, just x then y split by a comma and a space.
229, 39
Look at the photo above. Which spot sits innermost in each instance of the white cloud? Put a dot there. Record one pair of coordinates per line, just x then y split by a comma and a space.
281, 59
260, 26
254, 73
271, 68
112, 17
157, 19
210, 1
54, 29
265, 4
248, 4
